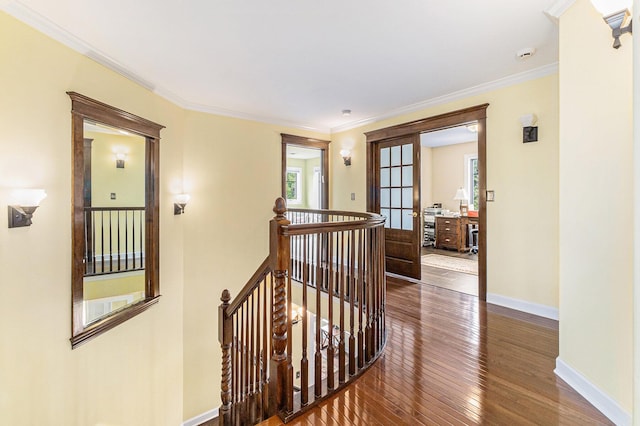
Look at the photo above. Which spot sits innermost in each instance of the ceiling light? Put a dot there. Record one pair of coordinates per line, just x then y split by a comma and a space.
615, 13
473, 128
346, 112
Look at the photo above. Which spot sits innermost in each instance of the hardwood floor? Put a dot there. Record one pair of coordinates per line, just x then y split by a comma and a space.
452, 280
452, 360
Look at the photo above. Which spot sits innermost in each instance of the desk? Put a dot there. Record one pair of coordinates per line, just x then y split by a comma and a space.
453, 232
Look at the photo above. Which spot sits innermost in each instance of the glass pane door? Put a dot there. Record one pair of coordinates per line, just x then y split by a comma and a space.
396, 186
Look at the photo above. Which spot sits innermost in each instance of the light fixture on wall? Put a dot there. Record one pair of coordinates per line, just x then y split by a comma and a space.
181, 201
120, 159
615, 13
346, 156
529, 129
27, 201
461, 195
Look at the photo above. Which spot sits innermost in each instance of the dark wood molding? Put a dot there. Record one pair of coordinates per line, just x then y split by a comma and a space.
84, 108
94, 110
441, 121
305, 142
323, 146
110, 322
477, 114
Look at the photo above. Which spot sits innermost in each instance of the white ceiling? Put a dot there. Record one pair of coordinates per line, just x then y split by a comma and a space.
450, 136
301, 153
302, 62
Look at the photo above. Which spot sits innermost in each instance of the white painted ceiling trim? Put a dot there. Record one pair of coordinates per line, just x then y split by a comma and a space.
44, 25
461, 94
556, 10
50, 29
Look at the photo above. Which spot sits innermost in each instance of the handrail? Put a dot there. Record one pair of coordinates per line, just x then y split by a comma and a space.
251, 285
322, 286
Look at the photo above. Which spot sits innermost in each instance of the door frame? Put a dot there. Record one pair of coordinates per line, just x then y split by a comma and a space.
460, 117
303, 142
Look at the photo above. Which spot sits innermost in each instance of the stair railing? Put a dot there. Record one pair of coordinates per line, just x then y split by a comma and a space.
310, 320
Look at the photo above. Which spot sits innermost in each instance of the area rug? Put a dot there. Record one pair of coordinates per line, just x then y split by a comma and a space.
457, 264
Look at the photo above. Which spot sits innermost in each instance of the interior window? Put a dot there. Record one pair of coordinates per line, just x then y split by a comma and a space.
115, 221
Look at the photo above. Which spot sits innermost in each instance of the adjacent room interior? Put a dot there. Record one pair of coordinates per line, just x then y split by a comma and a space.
450, 203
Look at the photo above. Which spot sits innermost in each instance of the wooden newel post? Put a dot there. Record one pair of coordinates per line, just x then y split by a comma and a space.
225, 335
280, 266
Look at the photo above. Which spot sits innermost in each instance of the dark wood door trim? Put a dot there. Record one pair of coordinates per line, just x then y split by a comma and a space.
449, 119
323, 146
477, 114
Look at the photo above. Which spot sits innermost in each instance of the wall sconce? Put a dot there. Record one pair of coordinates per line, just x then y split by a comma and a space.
461, 195
28, 200
120, 159
615, 13
181, 202
529, 130
346, 156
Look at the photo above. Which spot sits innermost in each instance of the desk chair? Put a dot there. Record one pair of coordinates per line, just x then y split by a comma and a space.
473, 234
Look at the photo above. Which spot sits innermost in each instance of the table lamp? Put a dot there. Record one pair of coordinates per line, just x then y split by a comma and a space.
461, 195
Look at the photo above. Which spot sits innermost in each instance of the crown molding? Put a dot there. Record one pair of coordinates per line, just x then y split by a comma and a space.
44, 25
208, 109
33, 19
460, 94
555, 11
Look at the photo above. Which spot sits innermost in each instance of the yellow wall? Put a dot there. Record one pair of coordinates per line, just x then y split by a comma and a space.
232, 171
426, 183
596, 172
127, 183
447, 173
132, 375
522, 224
310, 164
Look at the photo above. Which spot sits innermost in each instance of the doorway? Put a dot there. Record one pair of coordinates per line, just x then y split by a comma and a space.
377, 138
450, 205
305, 166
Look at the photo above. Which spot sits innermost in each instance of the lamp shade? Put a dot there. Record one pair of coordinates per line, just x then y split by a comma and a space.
461, 194
528, 120
607, 7
29, 197
182, 198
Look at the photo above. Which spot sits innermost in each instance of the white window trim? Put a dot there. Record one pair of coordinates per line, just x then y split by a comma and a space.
298, 172
468, 185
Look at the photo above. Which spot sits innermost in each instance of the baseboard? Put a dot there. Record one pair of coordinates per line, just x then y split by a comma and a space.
198, 420
524, 306
593, 394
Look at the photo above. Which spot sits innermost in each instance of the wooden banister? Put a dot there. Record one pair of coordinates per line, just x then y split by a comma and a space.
331, 264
